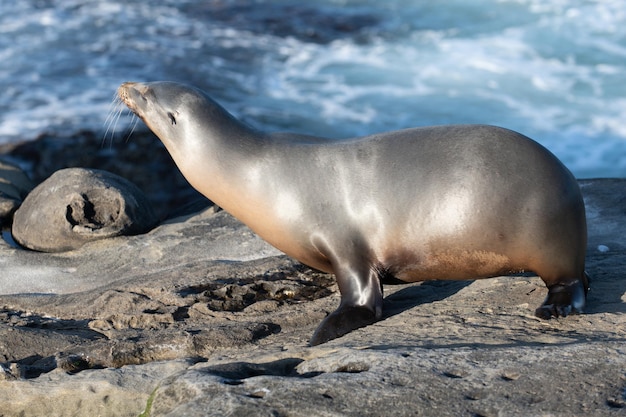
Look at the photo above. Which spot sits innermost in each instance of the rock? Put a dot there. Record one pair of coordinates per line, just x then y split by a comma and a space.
77, 205
561, 377
107, 392
117, 321
14, 186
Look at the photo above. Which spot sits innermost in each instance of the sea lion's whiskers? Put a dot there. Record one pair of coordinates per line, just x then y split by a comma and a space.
131, 129
116, 107
116, 110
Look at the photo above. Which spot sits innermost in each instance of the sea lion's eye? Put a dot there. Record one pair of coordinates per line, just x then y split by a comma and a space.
172, 118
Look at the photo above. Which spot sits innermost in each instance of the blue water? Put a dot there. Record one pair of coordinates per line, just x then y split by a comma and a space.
551, 69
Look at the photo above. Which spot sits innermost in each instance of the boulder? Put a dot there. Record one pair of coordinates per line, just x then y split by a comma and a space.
77, 205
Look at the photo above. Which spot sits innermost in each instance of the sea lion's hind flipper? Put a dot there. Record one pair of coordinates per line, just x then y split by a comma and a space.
565, 298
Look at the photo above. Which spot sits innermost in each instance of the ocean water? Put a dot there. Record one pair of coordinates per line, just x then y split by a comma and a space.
554, 70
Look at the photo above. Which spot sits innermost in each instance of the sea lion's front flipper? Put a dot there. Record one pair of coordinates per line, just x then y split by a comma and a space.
361, 304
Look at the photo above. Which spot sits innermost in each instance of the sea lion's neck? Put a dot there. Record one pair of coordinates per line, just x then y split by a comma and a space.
219, 129
216, 156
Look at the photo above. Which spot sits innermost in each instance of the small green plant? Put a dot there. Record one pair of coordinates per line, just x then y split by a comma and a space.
147, 410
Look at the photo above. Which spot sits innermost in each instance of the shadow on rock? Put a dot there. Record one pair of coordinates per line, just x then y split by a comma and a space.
420, 293
234, 372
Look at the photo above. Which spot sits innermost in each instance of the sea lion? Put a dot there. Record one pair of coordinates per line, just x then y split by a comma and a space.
442, 202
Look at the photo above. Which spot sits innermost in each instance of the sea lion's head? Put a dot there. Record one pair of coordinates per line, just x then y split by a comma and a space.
166, 107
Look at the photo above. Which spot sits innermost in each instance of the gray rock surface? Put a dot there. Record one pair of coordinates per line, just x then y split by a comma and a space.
14, 186
199, 317
77, 205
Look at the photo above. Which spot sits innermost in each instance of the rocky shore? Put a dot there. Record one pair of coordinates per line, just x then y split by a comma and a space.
198, 316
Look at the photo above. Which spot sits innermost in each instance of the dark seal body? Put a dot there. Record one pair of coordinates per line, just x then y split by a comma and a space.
443, 202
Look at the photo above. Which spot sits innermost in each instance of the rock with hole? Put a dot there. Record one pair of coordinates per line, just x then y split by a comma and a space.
78, 205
